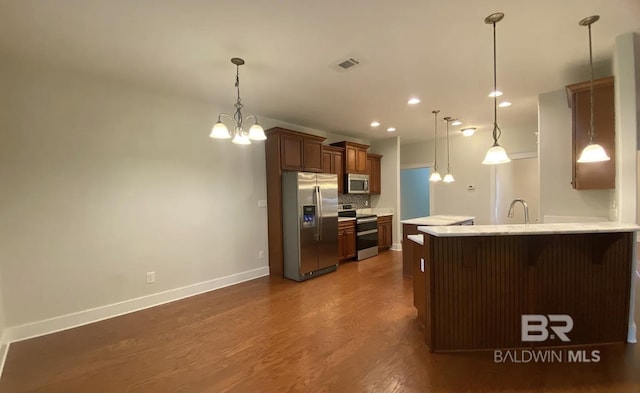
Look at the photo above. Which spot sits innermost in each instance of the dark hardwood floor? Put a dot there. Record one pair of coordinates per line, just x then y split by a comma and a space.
354, 330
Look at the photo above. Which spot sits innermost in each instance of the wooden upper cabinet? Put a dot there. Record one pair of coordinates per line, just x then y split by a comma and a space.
298, 151
312, 154
595, 175
332, 162
355, 157
373, 170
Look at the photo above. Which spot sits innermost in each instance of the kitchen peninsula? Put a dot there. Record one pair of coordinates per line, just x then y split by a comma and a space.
477, 282
410, 227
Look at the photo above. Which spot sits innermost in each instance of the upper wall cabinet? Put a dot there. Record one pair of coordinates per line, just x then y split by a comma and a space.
298, 151
373, 170
355, 157
596, 175
332, 162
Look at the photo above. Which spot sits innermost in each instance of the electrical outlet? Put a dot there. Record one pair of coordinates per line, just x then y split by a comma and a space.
260, 254
151, 277
262, 203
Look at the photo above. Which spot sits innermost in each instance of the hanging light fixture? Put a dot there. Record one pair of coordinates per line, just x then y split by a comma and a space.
496, 154
448, 178
593, 152
239, 134
435, 176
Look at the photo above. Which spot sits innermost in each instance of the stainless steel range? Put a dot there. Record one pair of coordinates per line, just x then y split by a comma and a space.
366, 232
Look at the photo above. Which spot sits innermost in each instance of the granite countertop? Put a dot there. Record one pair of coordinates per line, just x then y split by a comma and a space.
528, 229
378, 211
438, 220
416, 238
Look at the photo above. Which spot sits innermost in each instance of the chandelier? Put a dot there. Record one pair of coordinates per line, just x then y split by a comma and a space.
239, 134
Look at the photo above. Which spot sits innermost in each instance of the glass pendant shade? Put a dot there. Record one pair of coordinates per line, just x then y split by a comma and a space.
593, 153
448, 178
496, 155
241, 138
468, 131
220, 131
256, 133
435, 176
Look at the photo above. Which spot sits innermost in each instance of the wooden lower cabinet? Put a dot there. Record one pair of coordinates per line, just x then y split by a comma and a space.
346, 240
385, 232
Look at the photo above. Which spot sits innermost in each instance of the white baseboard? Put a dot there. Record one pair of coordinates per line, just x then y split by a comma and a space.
4, 349
64, 322
396, 247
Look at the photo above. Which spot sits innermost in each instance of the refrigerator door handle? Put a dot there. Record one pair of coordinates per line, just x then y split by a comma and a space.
319, 213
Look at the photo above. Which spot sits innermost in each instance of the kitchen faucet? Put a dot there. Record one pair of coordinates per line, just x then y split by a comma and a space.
526, 209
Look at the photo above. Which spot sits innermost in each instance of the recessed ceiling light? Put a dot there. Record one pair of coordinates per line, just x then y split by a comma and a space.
413, 101
468, 131
375, 124
391, 129
456, 123
496, 93
504, 104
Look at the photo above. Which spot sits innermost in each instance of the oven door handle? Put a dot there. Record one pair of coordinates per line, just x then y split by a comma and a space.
367, 232
365, 220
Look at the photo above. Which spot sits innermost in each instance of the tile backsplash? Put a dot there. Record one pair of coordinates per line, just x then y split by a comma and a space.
360, 201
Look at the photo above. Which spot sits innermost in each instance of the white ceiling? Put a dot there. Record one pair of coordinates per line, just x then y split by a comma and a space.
440, 52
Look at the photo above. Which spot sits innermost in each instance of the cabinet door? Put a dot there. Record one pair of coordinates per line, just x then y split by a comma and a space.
336, 157
351, 158
361, 161
350, 242
373, 170
341, 248
291, 152
312, 155
327, 162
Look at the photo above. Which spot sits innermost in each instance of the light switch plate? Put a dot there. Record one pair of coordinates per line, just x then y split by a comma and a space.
262, 203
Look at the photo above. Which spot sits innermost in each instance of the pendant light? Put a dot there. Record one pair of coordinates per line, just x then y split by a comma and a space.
435, 176
448, 178
496, 154
593, 152
239, 134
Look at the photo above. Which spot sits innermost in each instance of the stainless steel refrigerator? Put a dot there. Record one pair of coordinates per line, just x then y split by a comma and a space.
310, 224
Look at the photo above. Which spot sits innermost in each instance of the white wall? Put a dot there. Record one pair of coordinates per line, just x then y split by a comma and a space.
390, 177
627, 97
102, 182
557, 197
467, 154
517, 179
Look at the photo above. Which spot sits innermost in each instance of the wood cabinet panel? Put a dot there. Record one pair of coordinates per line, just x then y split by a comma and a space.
596, 175
332, 159
373, 170
291, 152
355, 157
346, 240
385, 232
312, 155
477, 288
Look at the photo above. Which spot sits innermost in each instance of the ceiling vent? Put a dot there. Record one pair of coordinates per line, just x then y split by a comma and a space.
347, 64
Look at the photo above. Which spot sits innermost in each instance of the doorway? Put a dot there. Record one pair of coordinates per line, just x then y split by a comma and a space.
414, 193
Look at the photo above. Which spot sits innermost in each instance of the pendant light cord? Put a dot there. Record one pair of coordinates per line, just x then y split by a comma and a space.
591, 127
448, 155
435, 140
496, 130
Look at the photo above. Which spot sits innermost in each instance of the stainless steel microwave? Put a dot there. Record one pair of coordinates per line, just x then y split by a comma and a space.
357, 183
